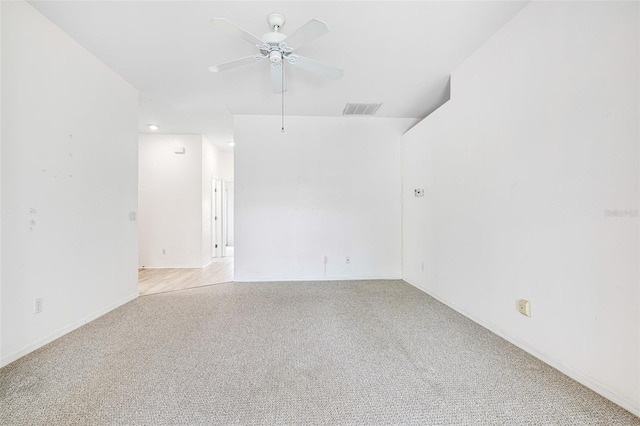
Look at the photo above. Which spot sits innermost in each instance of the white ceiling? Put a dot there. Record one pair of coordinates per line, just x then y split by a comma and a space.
397, 53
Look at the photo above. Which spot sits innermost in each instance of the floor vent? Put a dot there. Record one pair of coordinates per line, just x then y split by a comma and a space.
360, 109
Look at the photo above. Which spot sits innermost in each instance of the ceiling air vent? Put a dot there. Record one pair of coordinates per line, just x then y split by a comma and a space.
360, 109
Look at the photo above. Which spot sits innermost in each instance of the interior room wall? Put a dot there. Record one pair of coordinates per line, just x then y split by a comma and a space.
531, 184
224, 165
327, 186
170, 201
68, 176
0, 187
229, 210
208, 166
175, 199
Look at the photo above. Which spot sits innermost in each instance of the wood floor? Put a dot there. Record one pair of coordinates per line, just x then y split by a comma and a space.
152, 280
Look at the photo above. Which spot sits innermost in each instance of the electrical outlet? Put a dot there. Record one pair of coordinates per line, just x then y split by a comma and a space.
164, 251
524, 307
347, 260
37, 306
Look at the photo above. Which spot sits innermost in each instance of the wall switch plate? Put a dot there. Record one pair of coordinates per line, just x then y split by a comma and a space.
524, 307
418, 192
132, 216
37, 306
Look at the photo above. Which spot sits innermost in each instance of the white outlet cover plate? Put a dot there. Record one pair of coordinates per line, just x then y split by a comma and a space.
524, 307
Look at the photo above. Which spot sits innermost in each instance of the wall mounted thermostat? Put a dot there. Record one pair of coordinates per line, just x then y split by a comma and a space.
418, 192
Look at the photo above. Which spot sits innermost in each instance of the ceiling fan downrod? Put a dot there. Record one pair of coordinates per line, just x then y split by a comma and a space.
276, 21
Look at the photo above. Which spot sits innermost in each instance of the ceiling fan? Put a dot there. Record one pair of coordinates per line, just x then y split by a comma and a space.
278, 48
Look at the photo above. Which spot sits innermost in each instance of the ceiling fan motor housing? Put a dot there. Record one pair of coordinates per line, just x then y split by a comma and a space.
274, 51
273, 38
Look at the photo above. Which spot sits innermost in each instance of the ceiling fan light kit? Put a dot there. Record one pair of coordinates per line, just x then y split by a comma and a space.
275, 56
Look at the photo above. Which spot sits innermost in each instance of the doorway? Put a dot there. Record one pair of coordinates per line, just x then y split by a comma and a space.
227, 219
222, 212
183, 244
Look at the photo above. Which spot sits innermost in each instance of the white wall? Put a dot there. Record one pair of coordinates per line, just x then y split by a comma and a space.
539, 139
229, 211
68, 173
207, 173
0, 186
224, 165
175, 204
170, 201
326, 186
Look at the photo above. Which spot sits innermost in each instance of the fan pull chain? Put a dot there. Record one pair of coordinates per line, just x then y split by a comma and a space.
282, 91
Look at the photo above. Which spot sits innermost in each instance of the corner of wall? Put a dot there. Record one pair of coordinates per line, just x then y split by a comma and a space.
1, 6
638, 168
436, 111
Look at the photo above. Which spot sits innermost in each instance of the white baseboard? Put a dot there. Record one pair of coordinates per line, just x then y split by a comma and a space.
66, 329
321, 278
580, 377
174, 267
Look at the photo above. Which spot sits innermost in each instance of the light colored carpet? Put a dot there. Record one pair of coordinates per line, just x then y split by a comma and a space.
336, 353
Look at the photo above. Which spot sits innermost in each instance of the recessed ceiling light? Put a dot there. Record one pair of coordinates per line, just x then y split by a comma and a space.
232, 144
154, 127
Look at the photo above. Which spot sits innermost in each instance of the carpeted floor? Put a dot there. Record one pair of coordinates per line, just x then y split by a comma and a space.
336, 353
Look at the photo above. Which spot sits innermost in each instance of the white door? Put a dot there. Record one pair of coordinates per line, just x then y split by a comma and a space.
215, 218
228, 218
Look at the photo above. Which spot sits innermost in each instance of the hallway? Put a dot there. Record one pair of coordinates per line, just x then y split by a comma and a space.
160, 280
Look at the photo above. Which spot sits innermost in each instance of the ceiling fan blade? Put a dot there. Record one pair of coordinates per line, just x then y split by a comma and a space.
276, 79
233, 28
316, 67
233, 64
309, 31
